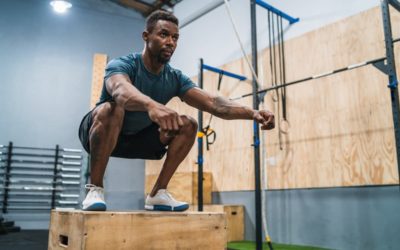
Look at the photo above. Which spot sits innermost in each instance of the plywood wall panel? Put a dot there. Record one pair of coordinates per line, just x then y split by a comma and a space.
99, 65
336, 122
340, 127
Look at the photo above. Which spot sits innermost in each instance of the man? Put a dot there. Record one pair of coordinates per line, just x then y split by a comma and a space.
132, 121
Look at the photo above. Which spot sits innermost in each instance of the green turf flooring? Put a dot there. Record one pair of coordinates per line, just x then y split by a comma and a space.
250, 245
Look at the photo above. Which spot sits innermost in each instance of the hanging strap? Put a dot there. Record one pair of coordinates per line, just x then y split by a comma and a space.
220, 75
282, 67
211, 136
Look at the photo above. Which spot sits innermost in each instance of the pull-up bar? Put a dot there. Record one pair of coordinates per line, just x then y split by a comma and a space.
395, 4
350, 67
218, 3
291, 20
223, 72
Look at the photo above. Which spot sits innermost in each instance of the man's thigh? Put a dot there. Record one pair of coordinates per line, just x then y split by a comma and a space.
145, 144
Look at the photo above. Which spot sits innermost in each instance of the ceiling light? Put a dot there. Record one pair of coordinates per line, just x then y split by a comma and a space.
60, 6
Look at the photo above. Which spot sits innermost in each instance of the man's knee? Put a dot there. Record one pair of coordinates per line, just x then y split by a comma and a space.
189, 124
108, 113
107, 117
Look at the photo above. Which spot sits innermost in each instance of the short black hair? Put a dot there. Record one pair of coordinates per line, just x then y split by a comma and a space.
153, 18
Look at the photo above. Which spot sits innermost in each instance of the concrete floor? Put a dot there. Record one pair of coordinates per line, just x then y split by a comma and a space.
25, 239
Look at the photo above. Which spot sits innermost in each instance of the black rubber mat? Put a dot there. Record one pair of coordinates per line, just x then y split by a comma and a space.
25, 239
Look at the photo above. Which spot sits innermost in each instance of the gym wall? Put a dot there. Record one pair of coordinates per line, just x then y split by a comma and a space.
46, 74
46, 66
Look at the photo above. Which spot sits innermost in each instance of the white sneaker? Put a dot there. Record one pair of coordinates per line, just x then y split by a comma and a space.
94, 200
163, 201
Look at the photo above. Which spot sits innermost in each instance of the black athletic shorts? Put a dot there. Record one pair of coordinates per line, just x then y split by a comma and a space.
145, 144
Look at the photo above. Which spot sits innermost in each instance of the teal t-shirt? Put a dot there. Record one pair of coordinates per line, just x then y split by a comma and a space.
161, 88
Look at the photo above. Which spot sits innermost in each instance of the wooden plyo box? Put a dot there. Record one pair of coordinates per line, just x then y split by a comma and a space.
234, 219
183, 186
136, 230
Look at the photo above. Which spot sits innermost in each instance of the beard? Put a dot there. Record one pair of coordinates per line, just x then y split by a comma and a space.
160, 56
163, 59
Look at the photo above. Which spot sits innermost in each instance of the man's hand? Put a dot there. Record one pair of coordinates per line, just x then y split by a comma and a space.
265, 118
166, 118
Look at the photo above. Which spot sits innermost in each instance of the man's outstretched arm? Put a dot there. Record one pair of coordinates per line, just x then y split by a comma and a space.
226, 109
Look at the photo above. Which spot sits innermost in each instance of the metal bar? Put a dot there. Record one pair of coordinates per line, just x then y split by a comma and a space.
44, 155
31, 188
70, 182
391, 67
200, 135
42, 175
45, 168
223, 72
70, 150
68, 202
42, 201
35, 168
31, 181
70, 163
29, 201
33, 194
71, 169
67, 163
395, 4
30, 194
396, 40
35, 208
291, 20
26, 181
41, 188
18, 147
71, 156
25, 174
256, 141
68, 176
69, 195
28, 155
29, 208
353, 66
201, 13
7, 177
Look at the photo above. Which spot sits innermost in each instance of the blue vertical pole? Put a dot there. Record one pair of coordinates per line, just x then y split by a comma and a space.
256, 140
200, 135
391, 71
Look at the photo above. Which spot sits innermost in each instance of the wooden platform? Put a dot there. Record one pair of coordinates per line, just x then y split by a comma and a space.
137, 230
234, 219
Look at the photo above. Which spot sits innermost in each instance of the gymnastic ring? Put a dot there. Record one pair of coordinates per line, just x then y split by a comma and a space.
275, 96
284, 126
